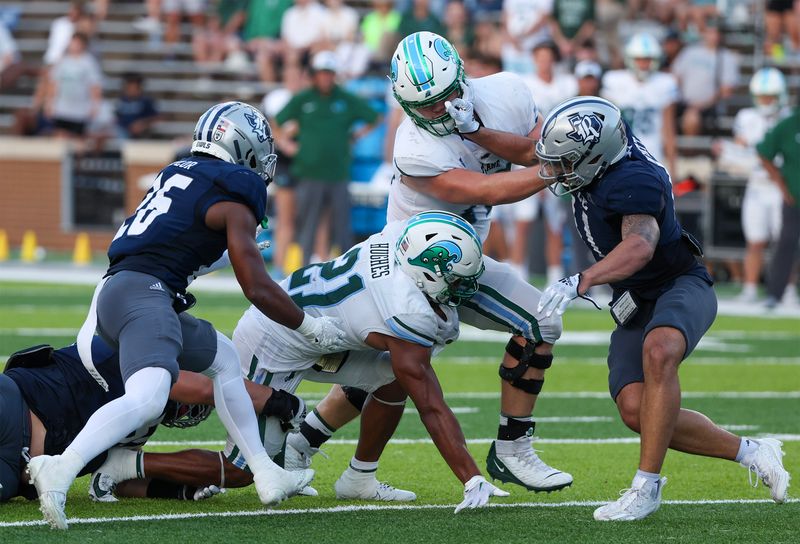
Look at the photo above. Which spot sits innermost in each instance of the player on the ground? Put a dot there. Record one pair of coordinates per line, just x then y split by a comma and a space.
454, 152
663, 298
647, 97
47, 396
396, 295
762, 206
196, 209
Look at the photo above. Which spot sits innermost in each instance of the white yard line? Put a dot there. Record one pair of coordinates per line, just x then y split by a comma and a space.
415, 441
364, 508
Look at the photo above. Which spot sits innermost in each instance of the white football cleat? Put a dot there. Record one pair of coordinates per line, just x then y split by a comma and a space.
295, 459
642, 499
275, 485
52, 481
516, 462
360, 485
101, 488
767, 464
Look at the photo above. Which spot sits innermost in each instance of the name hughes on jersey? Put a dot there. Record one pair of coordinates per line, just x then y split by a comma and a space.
379, 260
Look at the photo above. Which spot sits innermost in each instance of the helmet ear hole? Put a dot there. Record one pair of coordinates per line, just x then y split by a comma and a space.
253, 162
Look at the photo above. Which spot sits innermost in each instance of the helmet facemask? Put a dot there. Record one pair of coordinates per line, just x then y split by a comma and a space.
442, 125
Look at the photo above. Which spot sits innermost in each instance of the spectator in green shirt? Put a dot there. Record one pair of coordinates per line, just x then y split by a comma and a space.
419, 18
325, 115
262, 34
572, 24
379, 28
221, 34
780, 154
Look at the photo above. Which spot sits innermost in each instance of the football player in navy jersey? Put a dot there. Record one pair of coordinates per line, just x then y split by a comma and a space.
196, 209
47, 396
663, 299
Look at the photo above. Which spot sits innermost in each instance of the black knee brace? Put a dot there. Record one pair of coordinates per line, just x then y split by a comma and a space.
356, 396
527, 358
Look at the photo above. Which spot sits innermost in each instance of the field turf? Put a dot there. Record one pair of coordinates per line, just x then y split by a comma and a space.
745, 376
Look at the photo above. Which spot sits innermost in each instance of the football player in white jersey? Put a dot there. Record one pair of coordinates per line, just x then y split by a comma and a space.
397, 294
646, 97
763, 202
454, 152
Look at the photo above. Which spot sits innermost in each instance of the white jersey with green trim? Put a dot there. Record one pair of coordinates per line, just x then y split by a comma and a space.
502, 102
368, 292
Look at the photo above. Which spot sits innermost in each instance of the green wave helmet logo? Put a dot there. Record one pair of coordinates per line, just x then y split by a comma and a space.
438, 257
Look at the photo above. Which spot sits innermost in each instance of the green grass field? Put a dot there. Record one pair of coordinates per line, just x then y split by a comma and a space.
745, 376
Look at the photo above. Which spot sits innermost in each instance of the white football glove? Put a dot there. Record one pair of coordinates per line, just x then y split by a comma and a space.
463, 113
204, 493
324, 331
477, 492
558, 296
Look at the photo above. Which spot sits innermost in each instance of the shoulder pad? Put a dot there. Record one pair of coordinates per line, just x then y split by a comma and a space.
33, 357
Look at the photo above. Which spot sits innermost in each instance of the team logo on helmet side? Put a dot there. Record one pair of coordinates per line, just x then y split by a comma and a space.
443, 49
585, 128
438, 257
219, 132
258, 125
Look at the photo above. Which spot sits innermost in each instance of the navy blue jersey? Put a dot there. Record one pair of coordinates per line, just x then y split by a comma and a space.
637, 184
63, 395
167, 237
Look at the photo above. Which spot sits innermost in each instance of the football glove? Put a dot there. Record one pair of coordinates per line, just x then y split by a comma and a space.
203, 493
463, 113
558, 296
324, 331
477, 492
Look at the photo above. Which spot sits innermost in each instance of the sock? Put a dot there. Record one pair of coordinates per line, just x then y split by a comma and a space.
363, 467
749, 289
747, 448
73, 461
649, 477
234, 407
127, 465
315, 430
160, 489
512, 428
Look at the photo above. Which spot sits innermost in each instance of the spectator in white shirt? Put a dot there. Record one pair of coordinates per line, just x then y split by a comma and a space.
303, 30
9, 58
62, 29
75, 90
707, 74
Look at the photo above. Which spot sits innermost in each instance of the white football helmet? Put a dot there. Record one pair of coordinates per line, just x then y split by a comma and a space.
237, 133
426, 69
442, 254
580, 139
769, 82
643, 46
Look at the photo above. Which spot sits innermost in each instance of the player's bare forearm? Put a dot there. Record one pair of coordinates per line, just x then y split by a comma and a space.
239, 224
194, 388
460, 186
640, 234
411, 365
511, 147
195, 467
